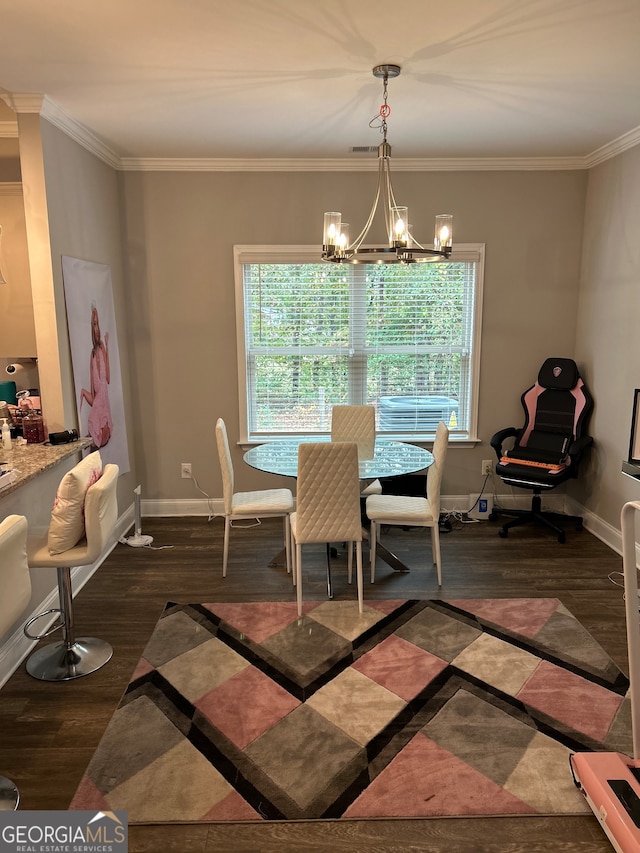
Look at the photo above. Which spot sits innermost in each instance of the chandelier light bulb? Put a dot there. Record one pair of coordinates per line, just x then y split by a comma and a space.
444, 232
342, 241
400, 217
332, 221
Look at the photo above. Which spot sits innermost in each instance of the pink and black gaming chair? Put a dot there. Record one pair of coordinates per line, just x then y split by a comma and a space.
547, 449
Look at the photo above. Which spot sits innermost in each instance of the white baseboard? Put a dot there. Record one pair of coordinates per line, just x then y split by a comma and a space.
460, 503
175, 508
18, 646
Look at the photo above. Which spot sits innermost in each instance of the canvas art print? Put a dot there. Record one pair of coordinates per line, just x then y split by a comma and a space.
96, 361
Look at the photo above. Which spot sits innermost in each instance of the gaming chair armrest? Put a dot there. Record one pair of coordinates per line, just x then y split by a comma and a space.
498, 437
577, 447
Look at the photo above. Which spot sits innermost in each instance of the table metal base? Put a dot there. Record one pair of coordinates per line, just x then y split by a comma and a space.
384, 553
390, 559
56, 662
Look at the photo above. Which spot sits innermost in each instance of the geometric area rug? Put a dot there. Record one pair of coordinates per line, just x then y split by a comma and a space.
245, 712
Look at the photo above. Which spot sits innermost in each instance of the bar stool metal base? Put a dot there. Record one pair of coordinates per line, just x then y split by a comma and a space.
9, 795
56, 662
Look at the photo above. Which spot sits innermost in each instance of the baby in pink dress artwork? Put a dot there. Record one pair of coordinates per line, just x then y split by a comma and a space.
100, 423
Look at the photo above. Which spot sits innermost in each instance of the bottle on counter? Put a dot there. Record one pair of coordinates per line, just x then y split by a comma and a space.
6, 435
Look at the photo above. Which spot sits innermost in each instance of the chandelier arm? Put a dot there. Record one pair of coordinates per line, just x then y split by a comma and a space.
389, 199
359, 239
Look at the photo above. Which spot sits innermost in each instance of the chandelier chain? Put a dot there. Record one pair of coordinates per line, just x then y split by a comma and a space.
384, 111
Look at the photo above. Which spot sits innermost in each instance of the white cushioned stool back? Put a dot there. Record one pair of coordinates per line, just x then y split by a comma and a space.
15, 579
101, 511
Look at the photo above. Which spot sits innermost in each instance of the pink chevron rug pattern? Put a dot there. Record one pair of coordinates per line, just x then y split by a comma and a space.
243, 711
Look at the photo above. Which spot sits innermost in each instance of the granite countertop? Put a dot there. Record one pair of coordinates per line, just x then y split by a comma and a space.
29, 460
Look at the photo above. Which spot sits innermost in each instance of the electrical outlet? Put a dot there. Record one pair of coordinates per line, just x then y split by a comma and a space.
487, 466
185, 470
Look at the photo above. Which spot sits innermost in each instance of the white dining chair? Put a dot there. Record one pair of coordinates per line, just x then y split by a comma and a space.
398, 510
357, 423
327, 507
263, 503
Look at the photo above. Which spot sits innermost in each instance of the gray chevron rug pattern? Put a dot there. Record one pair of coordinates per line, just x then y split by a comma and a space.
244, 711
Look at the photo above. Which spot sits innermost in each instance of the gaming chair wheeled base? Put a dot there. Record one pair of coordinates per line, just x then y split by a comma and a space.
536, 514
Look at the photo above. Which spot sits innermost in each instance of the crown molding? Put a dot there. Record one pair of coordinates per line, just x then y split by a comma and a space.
8, 130
23, 102
463, 164
10, 188
79, 133
612, 149
48, 109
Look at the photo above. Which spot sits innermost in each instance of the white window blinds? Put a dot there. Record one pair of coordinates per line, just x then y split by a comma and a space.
403, 338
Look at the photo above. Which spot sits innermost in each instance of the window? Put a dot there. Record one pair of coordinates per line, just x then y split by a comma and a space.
311, 335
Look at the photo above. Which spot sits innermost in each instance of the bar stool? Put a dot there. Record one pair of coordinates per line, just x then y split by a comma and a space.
16, 592
73, 656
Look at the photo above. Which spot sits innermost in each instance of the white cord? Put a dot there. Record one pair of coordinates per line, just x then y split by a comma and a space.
212, 514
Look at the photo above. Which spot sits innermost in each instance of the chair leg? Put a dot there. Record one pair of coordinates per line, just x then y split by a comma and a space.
294, 573
349, 546
298, 565
373, 538
435, 547
287, 542
359, 575
329, 585
72, 657
225, 547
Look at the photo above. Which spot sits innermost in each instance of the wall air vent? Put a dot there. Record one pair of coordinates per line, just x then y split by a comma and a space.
364, 149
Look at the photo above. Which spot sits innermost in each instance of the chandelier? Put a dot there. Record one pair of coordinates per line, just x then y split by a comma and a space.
403, 248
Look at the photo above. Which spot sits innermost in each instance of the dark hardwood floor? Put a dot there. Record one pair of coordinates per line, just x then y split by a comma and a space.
48, 732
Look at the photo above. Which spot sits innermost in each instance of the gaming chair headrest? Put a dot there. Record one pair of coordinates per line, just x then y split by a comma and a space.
558, 373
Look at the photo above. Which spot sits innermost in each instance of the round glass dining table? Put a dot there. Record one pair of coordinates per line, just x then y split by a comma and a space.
389, 458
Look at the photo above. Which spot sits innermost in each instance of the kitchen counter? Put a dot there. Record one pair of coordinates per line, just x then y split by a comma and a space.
30, 460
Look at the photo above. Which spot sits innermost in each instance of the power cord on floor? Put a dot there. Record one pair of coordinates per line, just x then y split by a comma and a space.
140, 541
458, 517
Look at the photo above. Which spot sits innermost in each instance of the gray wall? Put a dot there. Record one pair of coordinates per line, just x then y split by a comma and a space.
608, 339
180, 232
85, 222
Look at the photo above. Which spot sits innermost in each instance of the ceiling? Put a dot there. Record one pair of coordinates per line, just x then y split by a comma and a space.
248, 79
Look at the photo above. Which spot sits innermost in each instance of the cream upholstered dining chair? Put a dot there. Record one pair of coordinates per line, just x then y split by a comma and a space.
413, 511
327, 507
263, 503
16, 592
357, 423
96, 510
